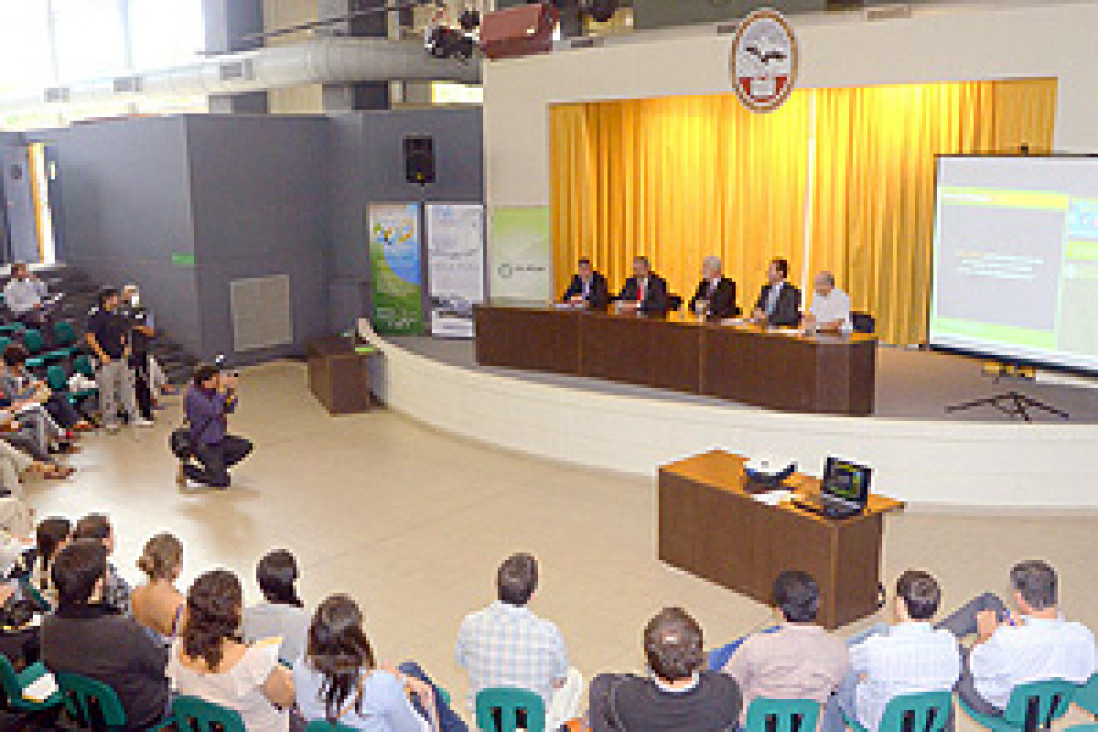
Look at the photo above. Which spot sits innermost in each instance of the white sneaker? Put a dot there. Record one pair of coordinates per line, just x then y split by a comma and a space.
143, 423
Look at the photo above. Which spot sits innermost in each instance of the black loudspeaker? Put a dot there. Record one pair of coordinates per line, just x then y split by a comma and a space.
419, 160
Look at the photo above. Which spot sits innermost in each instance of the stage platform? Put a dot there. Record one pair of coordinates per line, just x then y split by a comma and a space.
920, 454
910, 384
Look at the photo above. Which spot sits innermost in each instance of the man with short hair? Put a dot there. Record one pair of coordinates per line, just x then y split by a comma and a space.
1036, 644
779, 303
909, 657
108, 336
588, 287
679, 694
97, 527
716, 294
25, 295
505, 644
645, 291
89, 638
796, 660
830, 309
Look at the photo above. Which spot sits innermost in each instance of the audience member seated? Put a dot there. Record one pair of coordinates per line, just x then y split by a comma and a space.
779, 303
716, 294
30, 427
830, 310
283, 614
587, 287
910, 657
15, 463
1036, 644
506, 644
157, 604
51, 536
207, 661
25, 295
796, 660
19, 631
645, 291
678, 694
339, 680
90, 638
18, 384
116, 591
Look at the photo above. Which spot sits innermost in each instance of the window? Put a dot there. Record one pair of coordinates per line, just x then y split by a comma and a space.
25, 62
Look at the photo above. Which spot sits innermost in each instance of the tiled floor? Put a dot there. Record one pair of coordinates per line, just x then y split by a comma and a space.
413, 522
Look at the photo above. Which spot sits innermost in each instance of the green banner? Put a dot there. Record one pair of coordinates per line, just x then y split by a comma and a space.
395, 270
520, 254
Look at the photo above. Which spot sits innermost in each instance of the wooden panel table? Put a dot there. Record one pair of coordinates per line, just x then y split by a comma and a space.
642, 349
826, 374
711, 526
534, 338
339, 377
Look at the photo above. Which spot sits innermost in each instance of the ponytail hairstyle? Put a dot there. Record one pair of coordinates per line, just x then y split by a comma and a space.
214, 604
339, 650
50, 534
161, 557
276, 574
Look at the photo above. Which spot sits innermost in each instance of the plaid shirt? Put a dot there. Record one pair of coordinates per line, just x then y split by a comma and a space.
505, 645
116, 591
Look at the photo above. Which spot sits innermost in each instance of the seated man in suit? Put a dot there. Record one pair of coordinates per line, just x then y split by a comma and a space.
588, 287
830, 310
779, 303
716, 294
645, 291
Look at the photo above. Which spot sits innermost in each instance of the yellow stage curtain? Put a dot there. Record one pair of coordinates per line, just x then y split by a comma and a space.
873, 193
678, 179
683, 177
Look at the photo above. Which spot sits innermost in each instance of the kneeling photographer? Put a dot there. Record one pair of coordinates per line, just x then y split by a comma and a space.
211, 397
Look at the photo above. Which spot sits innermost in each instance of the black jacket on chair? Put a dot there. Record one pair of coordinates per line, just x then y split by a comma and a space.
655, 298
598, 296
787, 311
722, 299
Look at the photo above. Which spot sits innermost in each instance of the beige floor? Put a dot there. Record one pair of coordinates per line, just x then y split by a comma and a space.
412, 523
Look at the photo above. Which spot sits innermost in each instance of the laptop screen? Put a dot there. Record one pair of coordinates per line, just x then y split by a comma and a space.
847, 481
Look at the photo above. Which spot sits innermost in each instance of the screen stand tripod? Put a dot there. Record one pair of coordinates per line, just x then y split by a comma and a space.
1010, 403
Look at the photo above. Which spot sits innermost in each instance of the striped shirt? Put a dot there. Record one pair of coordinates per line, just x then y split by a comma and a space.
505, 645
912, 658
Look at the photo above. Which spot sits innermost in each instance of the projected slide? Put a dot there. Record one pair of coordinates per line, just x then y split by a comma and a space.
1016, 259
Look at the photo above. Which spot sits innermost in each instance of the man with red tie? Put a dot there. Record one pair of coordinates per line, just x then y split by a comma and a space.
645, 291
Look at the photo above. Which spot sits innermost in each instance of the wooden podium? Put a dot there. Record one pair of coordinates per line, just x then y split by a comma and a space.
339, 377
711, 525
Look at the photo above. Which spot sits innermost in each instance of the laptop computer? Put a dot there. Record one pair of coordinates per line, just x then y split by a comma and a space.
844, 491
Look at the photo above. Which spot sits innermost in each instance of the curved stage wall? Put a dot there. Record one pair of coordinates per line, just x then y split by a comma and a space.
929, 464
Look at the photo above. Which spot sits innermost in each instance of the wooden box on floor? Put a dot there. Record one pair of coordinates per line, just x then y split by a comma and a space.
711, 525
338, 376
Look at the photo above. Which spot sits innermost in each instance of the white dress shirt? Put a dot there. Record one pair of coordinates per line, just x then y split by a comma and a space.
772, 297
831, 307
911, 658
1036, 650
22, 295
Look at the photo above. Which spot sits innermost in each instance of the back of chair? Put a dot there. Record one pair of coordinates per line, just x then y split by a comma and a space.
863, 322
674, 302
83, 365
64, 334
1036, 705
505, 709
323, 726
926, 712
91, 704
34, 341
55, 377
197, 715
8, 680
782, 715
1086, 696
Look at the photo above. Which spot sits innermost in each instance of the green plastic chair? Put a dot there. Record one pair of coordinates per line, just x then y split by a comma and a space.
64, 334
507, 702
5, 341
56, 379
1086, 696
34, 341
323, 726
90, 703
925, 712
782, 715
1039, 704
14, 683
83, 365
197, 715
11, 329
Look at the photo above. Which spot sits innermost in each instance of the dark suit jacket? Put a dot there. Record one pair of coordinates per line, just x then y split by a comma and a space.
722, 302
655, 299
599, 295
787, 312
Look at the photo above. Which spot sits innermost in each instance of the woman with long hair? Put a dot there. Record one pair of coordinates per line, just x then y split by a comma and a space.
339, 680
51, 536
282, 614
157, 604
209, 662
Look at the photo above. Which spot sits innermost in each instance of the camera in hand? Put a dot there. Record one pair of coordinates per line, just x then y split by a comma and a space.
221, 362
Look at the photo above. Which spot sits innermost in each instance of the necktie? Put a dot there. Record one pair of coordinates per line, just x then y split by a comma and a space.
641, 286
772, 301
